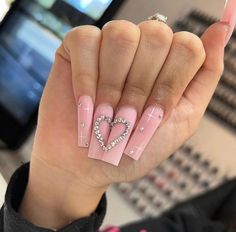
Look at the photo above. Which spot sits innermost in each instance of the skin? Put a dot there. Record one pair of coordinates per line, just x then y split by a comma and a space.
122, 64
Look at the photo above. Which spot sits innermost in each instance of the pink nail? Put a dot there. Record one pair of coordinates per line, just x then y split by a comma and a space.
126, 118
229, 17
149, 122
85, 118
95, 149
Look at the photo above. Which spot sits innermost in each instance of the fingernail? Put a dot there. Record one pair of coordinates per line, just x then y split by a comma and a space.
122, 127
95, 149
85, 118
229, 17
149, 122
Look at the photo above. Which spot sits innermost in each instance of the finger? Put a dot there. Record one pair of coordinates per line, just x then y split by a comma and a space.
118, 48
119, 44
81, 48
201, 89
155, 42
184, 60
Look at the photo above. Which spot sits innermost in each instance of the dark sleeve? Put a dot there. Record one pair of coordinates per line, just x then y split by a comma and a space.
211, 212
214, 211
11, 221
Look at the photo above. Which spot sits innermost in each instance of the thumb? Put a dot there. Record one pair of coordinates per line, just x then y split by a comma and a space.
202, 87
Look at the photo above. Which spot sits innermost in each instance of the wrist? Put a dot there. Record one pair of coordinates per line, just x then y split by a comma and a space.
54, 197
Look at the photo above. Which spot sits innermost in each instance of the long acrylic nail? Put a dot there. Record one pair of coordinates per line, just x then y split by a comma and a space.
229, 17
95, 149
121, 129
85, 118
149, 122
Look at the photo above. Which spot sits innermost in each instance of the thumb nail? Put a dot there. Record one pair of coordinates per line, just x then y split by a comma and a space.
229, 17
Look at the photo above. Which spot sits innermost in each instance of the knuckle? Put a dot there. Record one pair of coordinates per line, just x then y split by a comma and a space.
166, 94
83, 34
133, 90
110, 88
62, 52
156, 32
122, 31
218, 69
191, 44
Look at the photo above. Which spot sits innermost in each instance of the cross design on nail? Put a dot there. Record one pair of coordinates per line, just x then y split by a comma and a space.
135, 150
87, 108
82, 137
151, 115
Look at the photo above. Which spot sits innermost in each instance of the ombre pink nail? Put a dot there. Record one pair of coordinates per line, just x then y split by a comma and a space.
149, 122
95, 149
85, 118
229, 17
122, 127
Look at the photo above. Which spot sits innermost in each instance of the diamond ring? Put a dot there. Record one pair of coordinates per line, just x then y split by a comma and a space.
159, 17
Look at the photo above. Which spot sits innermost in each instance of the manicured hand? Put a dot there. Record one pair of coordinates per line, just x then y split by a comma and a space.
157, 81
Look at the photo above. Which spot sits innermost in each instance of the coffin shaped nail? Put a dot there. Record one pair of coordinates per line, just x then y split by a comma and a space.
95, 149
149, 122
229, 17
85, 117
122, 127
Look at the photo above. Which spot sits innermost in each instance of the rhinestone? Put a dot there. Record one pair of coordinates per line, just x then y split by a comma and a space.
141, 129
86, 144
131, 152
80, 104
82, 124
111, 123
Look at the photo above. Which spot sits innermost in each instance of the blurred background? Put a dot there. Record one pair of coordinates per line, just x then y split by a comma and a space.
31, 31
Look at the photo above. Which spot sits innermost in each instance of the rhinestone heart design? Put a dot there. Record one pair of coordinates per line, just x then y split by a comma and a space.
108, 120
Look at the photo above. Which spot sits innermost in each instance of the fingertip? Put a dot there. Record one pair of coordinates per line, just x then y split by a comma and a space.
216, 35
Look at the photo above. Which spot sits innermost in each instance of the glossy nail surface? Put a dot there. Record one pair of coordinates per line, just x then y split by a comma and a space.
229, 17
126, 118
149, 122
85, 118
95, 150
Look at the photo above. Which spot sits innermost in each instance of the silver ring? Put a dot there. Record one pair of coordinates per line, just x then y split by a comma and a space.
159, 17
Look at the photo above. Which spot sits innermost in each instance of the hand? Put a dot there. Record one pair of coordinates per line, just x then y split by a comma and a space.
122, 65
